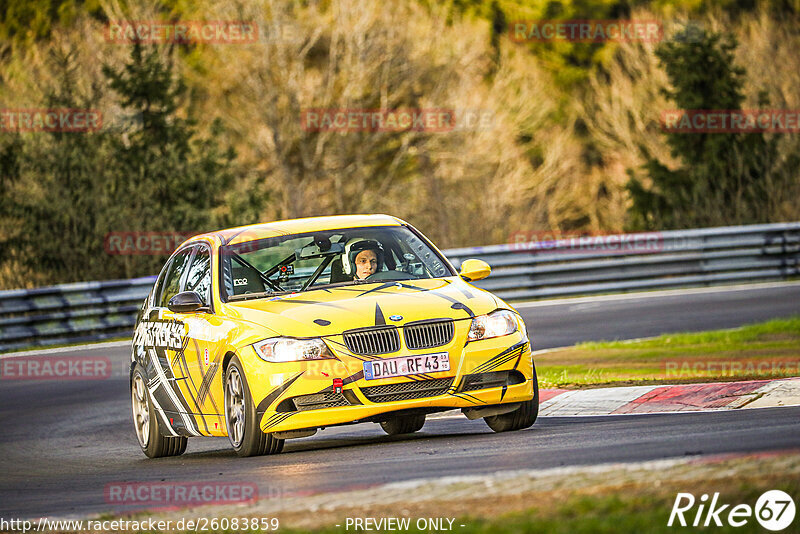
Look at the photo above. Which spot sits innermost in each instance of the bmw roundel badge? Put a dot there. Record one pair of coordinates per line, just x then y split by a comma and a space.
395, 317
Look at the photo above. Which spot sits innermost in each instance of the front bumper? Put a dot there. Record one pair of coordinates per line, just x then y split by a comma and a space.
301, 395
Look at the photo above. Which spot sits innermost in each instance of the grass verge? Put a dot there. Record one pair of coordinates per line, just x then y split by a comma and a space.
759, 351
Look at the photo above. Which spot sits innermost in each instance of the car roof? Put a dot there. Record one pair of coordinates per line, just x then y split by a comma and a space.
251, 232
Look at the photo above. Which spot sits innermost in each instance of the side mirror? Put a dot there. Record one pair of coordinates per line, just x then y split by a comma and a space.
186, 302
472, 270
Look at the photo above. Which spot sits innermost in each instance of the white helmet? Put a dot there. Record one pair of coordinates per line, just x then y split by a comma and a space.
353, 247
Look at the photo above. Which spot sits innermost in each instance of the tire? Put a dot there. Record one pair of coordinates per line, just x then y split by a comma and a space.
153, 443
522, 417
241, 420
407, 424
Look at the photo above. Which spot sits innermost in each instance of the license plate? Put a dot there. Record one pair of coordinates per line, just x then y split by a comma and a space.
407, 365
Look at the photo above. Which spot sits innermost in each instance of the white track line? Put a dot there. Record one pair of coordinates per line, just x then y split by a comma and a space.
637, 414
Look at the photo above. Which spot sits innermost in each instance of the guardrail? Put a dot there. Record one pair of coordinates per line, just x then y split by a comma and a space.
70, 313
91, 311
625, 262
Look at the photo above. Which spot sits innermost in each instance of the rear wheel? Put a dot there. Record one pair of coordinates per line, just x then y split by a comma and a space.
406, 424
522, 417
245, 435
153, 443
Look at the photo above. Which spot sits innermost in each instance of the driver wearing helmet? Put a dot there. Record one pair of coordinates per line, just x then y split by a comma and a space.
362, 258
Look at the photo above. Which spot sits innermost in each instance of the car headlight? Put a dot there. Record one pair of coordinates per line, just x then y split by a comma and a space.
495, 324
287, 349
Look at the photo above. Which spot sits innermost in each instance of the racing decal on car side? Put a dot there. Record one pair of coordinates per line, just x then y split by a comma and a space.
453, 392
205, 384
516, 363
160, 334
152, 384
152, 340
170, 400
199, 394
276, 419
515, 351
273, 395
179, 361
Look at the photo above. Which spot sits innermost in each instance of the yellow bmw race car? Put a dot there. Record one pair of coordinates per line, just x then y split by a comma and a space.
273, 331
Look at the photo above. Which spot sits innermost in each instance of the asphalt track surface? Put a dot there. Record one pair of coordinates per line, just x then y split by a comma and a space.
63, 441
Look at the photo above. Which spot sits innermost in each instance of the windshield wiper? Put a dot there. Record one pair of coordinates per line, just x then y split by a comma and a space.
335, 284
259, 295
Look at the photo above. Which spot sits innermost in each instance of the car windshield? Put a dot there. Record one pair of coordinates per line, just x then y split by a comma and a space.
313, 260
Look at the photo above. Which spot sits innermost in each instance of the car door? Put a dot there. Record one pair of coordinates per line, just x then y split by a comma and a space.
164, 340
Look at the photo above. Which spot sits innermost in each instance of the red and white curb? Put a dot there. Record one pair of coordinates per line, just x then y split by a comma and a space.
671, 398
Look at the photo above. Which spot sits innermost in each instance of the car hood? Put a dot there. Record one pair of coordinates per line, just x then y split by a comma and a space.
331, 311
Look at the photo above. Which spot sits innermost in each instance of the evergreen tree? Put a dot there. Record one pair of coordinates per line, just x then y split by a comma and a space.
164, 177
50, 193
722, 176
64, 191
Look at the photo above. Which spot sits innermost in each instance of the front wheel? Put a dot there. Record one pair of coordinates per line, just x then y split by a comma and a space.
148, 432
407, 424
522, 417
246, 437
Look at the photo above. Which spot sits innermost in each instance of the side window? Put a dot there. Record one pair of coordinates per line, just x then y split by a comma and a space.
158, 285
199, 277
172, 281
